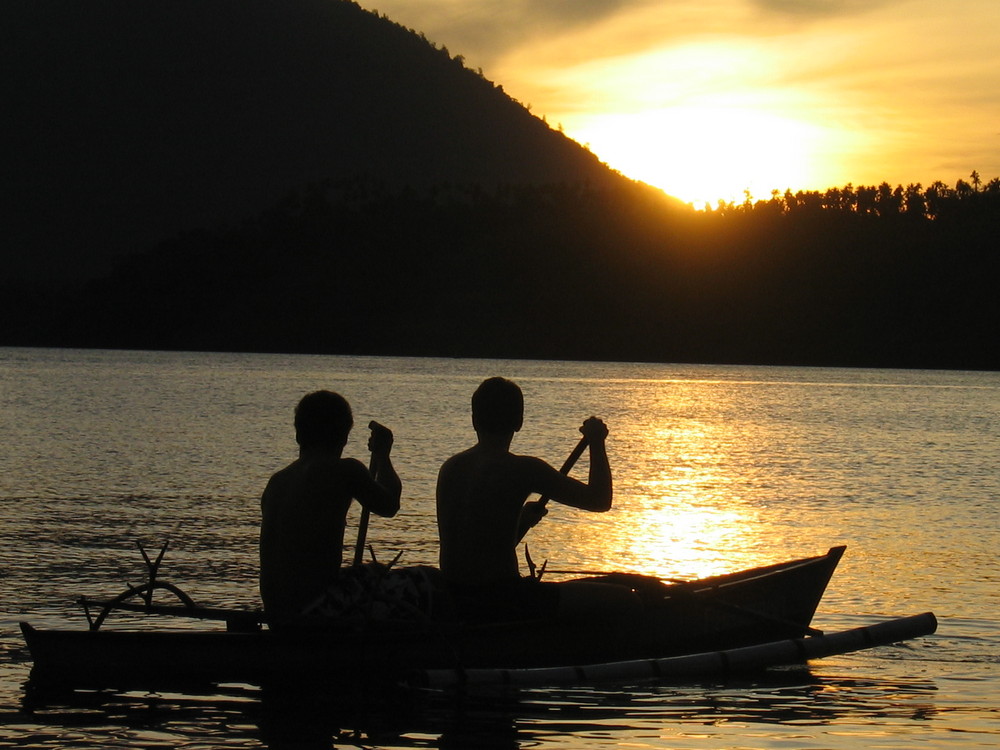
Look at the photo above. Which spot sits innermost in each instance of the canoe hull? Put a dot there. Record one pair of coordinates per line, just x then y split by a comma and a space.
741, 609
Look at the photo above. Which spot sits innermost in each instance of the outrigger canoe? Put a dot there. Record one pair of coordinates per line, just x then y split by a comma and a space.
735, 615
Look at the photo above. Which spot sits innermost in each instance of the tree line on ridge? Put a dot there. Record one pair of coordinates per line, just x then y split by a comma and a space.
846, 277
936, 201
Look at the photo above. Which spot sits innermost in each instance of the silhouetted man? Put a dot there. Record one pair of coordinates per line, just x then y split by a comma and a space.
482, 513
304, 506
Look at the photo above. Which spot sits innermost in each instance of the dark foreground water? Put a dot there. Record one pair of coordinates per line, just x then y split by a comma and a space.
716, 469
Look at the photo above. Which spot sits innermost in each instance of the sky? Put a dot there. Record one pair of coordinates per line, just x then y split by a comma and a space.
709, 99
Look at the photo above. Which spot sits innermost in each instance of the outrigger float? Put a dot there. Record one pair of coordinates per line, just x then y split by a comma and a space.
739, 622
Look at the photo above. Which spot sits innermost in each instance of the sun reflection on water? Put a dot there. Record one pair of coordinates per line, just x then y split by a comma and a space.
681, 508
684, 517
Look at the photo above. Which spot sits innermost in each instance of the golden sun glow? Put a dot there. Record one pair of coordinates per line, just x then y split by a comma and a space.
706, 100
701, 154
703, 121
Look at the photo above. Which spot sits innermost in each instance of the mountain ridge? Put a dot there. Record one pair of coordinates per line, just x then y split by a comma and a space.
129, 121
337, 197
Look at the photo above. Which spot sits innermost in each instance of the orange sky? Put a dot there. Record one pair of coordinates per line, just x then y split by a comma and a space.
708, 99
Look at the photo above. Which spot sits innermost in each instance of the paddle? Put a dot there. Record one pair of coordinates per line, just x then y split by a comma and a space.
568, 464
359, 547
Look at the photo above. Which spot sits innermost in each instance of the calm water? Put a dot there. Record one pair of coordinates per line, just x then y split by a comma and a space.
716, 468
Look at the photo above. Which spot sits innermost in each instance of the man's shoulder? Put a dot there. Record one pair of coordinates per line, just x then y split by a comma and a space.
529, 463
521, 468
318, 469
459, 458
281, 476
335, 470
474, 462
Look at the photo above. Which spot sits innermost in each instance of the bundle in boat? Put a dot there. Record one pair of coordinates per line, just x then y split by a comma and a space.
692, 666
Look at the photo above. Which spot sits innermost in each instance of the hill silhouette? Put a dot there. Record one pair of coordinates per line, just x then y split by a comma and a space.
125, 122
555, 272
306, 176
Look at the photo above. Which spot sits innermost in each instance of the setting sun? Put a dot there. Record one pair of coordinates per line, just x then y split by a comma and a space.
707, 101
702, 121
704, 153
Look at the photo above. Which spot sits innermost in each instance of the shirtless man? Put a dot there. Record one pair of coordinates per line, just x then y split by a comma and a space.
304, 506
482, 514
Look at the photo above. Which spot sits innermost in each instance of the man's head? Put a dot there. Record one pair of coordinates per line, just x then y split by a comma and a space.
497, 407
323, 418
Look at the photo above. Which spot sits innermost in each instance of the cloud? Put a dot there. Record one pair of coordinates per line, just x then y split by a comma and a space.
822, 8
486, 29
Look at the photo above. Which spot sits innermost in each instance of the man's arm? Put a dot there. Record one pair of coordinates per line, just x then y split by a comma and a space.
599, 480
594, 495
381, 490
